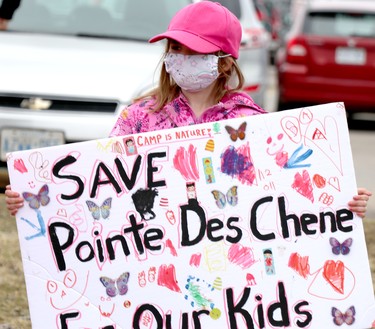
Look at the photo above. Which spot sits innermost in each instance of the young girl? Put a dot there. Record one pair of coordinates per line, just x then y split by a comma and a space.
200, 82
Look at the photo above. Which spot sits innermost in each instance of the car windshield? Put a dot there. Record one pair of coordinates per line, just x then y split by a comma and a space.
130, 19
340, 24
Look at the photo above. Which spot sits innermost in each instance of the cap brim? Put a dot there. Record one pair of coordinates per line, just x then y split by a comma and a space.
189, 40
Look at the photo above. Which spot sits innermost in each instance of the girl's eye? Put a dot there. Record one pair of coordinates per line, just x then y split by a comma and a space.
175, 47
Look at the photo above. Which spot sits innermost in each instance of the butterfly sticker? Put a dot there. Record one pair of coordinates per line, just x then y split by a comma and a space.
230, 197
343, 248
103, 210
340, 318
236, 133
116, 287
37, 200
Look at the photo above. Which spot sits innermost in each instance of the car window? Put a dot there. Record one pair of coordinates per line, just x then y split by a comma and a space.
340, 24
134, 19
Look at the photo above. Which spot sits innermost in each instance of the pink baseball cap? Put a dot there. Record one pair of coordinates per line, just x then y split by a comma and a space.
205, 27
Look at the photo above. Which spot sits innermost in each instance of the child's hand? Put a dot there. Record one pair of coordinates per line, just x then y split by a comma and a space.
3, 24
13, 200
359, 202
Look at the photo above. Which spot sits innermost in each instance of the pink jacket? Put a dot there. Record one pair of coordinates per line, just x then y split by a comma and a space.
137, 117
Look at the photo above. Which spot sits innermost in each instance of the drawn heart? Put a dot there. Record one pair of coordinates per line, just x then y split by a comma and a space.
321, 289
325, 137
167, 277
241, 256
185, 161
300, 264
335, 183
333, 273
302, 184
20, 166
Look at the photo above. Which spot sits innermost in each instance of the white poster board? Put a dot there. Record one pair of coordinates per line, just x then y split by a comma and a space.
234, 224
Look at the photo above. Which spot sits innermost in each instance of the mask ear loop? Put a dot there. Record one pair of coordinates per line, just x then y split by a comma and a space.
223, 56
222, 70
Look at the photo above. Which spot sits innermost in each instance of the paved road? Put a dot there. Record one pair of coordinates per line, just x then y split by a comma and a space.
362, 138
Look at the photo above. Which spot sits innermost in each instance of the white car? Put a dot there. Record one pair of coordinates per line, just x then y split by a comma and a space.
68, 67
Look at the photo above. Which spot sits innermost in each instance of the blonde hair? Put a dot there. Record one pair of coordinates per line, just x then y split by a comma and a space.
168, 90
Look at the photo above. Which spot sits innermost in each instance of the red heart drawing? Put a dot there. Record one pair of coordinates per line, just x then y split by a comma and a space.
300, 264
167, 277
333, 272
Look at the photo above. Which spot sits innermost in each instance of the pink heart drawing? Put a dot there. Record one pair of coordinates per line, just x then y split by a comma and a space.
303, 185
20, 166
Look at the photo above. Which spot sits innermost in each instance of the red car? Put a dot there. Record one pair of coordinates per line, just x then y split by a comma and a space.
329, 56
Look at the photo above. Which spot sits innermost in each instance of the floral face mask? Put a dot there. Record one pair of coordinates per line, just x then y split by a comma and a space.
192, 72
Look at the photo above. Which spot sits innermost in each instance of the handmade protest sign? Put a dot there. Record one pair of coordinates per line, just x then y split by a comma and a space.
232, 224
